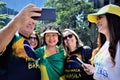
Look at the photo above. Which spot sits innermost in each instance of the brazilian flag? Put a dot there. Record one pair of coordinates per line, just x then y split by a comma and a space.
51, 66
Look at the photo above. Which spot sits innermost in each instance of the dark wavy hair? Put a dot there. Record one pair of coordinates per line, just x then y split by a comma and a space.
52, 26
114, 30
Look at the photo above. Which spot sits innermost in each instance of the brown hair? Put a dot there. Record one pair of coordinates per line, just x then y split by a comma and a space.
114, 29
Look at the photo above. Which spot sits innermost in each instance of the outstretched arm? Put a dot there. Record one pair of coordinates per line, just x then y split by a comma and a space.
21, 19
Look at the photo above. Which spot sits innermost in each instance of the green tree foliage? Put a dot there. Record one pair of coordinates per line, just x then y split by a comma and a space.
73, 14
2, 4
4, 18
39, 25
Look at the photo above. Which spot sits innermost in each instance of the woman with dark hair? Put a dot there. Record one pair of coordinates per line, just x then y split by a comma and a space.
50, 56
105, 57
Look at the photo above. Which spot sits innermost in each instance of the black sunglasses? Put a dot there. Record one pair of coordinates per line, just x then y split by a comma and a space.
32, 37
68, 36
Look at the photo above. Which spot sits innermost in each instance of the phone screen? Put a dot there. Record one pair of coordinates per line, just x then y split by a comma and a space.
47, 14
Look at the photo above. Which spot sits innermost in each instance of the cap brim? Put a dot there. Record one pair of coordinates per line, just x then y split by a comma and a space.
49, 31
93, 17
112, 9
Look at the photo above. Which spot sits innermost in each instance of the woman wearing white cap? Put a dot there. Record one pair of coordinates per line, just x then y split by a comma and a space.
107, 54
51, 55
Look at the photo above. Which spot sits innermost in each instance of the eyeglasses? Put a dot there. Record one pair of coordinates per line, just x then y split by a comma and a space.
32, 37
68, 36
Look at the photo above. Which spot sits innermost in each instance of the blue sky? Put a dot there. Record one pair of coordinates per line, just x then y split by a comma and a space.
19, 4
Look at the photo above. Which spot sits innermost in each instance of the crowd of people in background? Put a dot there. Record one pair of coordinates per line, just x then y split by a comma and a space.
24, 55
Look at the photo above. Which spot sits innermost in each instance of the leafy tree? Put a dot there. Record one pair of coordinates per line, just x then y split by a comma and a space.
39, 25
4, 18
2, 4
73, 14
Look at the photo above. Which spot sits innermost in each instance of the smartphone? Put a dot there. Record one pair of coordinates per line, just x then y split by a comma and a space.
47, 14
81, 61
84, 64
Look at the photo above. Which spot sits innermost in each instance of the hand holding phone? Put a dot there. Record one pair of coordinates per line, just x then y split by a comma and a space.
47, 14
87, 69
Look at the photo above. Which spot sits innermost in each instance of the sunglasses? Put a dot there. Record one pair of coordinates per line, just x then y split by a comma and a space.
32, 37
68, 36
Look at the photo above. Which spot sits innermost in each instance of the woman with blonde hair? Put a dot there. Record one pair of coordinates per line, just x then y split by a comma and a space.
75, 50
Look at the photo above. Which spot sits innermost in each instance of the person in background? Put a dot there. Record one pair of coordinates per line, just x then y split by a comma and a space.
74, 49
34, 40
105, 58
14, 63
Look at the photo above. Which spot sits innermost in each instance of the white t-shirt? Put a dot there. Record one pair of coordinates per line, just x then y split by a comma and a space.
104, 68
